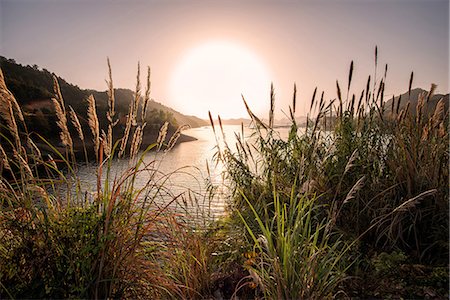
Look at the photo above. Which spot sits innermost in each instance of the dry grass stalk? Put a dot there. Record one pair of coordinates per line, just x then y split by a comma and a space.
356, 187
23, 163
60, 110
146, 97
174, 138
137, 97
419, 107
93, 123
104, 141
162, 135
65, 137
294, 99
431, 92
4, 159
76, 123
7, 113
8, 95
439, 111
111, 100
411, 203
136, 141
52, 162
123, 143
57, 92
131, 117
255, 119
34, 147
272, 106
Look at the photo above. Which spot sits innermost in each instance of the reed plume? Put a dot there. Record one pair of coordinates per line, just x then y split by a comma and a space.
174, 138
136, 141
439, 112
76, 123
93, 123
4, 91
60, 111
104, 141
111, 112
146, 97
162, 135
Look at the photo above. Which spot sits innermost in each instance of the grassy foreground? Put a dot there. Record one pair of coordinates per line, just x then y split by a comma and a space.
354, 206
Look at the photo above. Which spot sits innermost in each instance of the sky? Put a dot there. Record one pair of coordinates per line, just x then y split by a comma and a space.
204, 54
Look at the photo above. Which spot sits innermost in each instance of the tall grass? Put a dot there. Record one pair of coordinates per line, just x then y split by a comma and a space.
103, 243
379, 174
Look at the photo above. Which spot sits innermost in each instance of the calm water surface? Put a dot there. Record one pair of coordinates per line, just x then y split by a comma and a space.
183, 169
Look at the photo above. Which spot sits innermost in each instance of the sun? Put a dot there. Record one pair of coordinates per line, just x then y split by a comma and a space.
212, 77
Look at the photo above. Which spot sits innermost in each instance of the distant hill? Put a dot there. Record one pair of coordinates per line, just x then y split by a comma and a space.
413, 98
31, 85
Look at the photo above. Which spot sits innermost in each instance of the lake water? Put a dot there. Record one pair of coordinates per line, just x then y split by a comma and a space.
183, 170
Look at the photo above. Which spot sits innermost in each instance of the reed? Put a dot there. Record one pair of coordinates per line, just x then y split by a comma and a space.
85, 244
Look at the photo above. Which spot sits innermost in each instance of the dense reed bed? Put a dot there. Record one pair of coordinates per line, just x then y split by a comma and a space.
356, 205
119, 240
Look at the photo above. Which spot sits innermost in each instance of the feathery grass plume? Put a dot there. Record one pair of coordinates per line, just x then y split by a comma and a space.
23, 163
131, 117
146, 97
356, 187
339, 97
438, 114
7, 113
4, 92
136, 142
93, 123
57, 91
111, 101
162, 135
104, 141
411, 203
257, 121
110, 136
272, 106
60, 110
419, 107
76, 123
124, 140
174, 138
137, 95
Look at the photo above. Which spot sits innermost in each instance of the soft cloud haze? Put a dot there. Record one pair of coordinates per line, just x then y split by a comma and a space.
307, 42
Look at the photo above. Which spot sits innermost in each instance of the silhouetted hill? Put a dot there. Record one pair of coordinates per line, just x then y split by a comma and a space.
32, 86
413, 99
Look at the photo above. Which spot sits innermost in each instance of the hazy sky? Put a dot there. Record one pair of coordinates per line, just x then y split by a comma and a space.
308, 42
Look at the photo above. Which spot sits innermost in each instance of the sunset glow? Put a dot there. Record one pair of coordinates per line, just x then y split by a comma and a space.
213, 75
